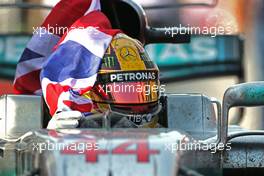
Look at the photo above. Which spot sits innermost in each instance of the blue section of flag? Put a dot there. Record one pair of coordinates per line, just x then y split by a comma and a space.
28, 55
71, 60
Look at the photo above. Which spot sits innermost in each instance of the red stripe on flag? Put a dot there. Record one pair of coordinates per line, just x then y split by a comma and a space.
53, 92
65, 13
28, 83
79, 107
94, 19
99, 20
84, 90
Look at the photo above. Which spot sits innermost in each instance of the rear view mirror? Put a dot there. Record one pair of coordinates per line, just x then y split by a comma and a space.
164, 35
131, 18
155, 4
240, 95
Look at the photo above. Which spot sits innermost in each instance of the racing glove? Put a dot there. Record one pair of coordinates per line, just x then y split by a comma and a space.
65, 119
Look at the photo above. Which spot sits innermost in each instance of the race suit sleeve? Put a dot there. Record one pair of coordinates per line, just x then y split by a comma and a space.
41, 45
72, 68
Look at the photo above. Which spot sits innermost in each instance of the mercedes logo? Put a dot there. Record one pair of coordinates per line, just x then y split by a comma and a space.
128, 53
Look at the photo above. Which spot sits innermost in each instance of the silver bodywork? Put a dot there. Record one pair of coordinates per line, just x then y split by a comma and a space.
18, 115
64, 161
200, 116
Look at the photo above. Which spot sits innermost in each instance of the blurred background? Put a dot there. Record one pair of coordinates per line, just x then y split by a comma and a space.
207, 65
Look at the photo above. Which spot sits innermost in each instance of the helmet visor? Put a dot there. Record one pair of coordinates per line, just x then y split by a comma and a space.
139, 92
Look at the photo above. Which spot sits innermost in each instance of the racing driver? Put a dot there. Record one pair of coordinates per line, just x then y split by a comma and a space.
89, 73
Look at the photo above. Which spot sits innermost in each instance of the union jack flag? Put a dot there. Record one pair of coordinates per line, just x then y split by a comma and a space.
59, 65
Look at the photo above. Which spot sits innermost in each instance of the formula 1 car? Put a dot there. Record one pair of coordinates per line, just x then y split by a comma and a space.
196, 138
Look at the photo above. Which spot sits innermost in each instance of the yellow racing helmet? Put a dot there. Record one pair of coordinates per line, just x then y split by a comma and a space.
127, 83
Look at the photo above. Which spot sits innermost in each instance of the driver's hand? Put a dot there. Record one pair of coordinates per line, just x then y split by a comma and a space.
65, 119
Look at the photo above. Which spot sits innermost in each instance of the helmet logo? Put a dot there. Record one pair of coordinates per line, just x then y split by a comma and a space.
109, 61
140, 118
128, 53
